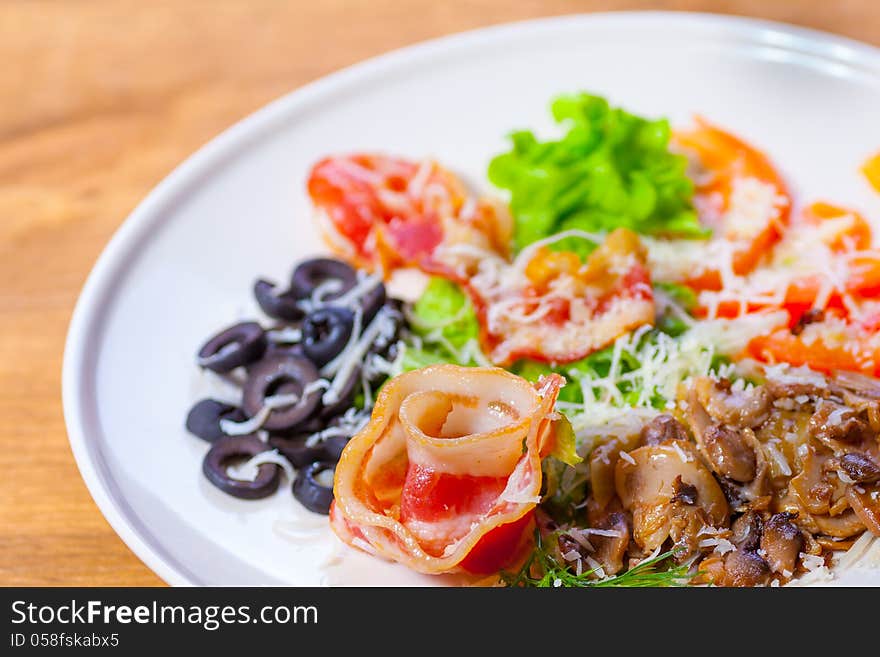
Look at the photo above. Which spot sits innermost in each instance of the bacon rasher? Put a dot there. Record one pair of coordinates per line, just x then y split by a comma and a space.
447, 474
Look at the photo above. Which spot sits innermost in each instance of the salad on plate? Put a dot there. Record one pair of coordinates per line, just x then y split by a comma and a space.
642, 361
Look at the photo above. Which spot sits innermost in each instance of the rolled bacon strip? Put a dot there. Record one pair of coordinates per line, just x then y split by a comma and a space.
446, 475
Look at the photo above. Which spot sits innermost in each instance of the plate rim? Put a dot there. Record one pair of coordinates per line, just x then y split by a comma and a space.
100, 284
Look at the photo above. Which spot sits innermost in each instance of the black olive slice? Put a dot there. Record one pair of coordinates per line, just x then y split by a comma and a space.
284, 349
333, 447
310, 493
280, 305
238, 345
312, 273
372, 302
296, 451
204, 418
230, 448
281, 375
325, 332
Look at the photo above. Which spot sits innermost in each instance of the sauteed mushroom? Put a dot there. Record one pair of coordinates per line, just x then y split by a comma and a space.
646, 487
602, 461
738, 408
611, 550
663, 428
742, 568
781, 542
866, 505
726, 448
834, 423
860, 468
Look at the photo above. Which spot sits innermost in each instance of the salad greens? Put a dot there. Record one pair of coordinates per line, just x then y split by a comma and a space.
445, 325
542, 570
610, 169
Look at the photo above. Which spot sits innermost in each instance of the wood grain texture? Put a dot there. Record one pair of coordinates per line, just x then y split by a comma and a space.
101, 99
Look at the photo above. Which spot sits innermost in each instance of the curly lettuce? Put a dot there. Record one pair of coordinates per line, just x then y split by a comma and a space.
445, 327
610, 169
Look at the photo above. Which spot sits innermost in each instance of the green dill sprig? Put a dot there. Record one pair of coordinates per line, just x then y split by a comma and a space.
542, 570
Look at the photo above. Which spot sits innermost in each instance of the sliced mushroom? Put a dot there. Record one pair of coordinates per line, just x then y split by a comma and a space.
746, 531
728, 453
737, 408
602, 461
834, 423
724, 447
792, 389
781, 542
817, 486
646, 487
844, 525
683, 493
865, 502
663, 428
859, 384
743, 568
860, 468
611, 550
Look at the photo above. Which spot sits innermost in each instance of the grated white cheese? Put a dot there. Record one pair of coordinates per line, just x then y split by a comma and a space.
685, 458
596, 567
608, 533
778, 458
626, 457
572, 556
812, 562
251, 425
248, 470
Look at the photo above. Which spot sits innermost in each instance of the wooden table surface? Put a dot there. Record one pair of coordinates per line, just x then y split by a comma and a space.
101, 99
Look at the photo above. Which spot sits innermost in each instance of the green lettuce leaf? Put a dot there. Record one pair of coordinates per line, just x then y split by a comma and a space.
444, 320
566, 442
610, 169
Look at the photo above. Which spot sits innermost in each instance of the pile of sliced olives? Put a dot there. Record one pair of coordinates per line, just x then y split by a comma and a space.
285, 398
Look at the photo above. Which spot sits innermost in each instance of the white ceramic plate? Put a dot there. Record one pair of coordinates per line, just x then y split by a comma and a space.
182, 264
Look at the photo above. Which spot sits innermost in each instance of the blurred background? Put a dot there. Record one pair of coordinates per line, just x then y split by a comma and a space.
101, 99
